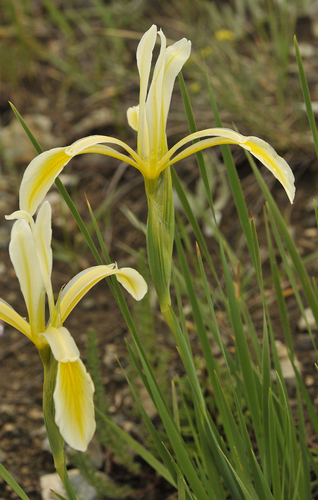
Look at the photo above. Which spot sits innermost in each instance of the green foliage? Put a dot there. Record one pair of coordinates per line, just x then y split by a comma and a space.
105, 434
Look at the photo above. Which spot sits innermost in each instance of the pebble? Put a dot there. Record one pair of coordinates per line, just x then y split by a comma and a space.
285, 363
147, 403
52, 482
109, 358
88, 304
302, 326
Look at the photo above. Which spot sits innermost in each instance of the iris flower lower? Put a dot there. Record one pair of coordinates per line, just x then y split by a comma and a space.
31, 255
149, 120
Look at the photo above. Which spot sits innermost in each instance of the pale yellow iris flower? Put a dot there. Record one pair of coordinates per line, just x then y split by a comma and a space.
31, 255
149, 120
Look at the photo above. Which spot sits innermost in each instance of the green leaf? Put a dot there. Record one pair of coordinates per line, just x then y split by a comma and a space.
12, 482
305, 89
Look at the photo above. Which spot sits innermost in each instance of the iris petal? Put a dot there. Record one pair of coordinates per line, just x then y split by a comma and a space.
10, 316
26, 264
85, 280
62, 344
257, 147
39, 177
74, 406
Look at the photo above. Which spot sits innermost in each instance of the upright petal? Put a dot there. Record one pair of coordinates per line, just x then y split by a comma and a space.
85, 280
144, 58
175, 57
43, 239
74, 406
26, 264
157, 134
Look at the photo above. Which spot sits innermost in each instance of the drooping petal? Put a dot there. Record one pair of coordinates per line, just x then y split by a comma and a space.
44, 168
74, 406
10, 316
257, 147
39, 177
85, 280
21, 214
132, 281
26, 264
62, 344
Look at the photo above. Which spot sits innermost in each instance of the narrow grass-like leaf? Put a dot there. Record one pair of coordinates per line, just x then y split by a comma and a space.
244, 358
234, 439
249, 494
266, 388
297, 261
193, 128
58, 495
141, 450
12, 482
234, 180
62, 190
275, 466
175, 406
189, 213
304, 476
305, 89
293, 283
176, 441
278, 289
207, 430
28, 132
204, 341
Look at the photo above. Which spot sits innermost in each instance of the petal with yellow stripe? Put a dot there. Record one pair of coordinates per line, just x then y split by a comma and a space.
74, 406
85, 280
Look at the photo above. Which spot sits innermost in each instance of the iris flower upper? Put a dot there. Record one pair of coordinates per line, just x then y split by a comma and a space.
149, 119
31, 255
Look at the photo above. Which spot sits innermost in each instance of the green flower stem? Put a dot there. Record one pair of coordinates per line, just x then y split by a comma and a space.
160, 236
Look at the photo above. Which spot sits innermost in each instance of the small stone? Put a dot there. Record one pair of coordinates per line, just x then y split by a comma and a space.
35, 414
302, 326
83, 490
147, 403
285, 363
88, 304
50, 483
309, 381
109, 358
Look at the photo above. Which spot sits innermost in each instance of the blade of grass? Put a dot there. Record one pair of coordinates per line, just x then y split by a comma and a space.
12, 482
305, 89
244, 357
297, 261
